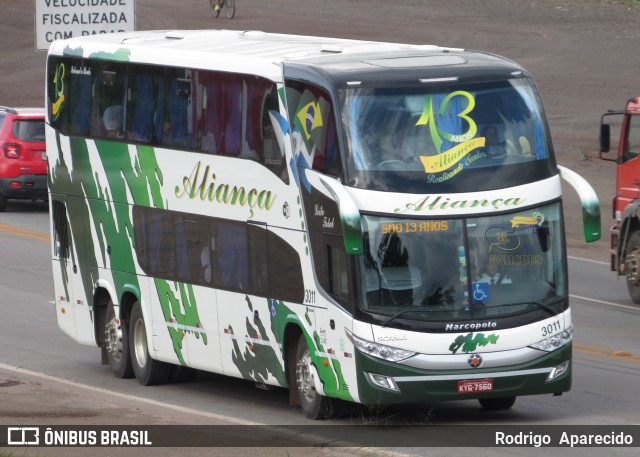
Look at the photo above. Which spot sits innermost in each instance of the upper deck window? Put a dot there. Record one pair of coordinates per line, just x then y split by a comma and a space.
184, 109
453, 138
314, 129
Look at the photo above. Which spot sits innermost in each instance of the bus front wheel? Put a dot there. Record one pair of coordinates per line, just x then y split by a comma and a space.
116, 341
313, 405
496, 404
148, 371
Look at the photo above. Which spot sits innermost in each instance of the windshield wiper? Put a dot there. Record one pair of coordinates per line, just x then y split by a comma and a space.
385, 323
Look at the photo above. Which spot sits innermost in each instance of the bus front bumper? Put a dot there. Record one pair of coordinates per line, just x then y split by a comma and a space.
386, 383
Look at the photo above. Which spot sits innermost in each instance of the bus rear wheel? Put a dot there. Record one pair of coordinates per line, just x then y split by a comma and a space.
148, 371
313, 405
632, 266
116, 341
496, 404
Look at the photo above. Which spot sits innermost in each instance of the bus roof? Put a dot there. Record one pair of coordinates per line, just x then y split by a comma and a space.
266, 54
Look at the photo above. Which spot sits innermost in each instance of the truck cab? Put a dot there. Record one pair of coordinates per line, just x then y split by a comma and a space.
625, 233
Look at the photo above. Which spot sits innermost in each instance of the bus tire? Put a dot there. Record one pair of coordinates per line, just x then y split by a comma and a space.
3, 203
314, 406
116, 341
497, 404
632, 266
149, 372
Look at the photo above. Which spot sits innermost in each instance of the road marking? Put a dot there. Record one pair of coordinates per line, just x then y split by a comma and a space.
582, 259
608, 353
100, 390
34, 235
608, 303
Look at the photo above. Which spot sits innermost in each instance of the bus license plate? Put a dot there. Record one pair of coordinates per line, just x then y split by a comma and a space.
468, 387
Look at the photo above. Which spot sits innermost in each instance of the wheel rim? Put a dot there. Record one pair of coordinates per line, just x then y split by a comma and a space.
304, 373
113, 338
140, 343
632, 262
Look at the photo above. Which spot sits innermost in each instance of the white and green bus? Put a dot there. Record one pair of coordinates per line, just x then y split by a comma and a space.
372, 222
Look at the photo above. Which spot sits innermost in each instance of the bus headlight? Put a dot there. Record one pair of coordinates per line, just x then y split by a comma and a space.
379, 350
555, 342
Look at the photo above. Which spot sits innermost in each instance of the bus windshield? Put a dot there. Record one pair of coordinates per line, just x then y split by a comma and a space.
458, 138
455, 268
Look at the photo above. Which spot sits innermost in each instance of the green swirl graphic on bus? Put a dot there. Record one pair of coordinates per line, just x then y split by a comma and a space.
58, 86
470, 343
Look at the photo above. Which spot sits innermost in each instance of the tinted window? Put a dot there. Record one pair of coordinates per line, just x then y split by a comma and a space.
211, 112
144, 104
107, 110
498, 265
27, 130
180, 110
229, 255
445, 138
69, 91
285, 278
314, 129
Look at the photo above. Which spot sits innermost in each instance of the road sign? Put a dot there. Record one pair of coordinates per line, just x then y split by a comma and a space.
59, 19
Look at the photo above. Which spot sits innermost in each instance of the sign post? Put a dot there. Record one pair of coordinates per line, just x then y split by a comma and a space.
61, 19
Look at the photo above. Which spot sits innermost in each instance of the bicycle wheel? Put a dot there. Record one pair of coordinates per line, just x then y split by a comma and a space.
212, 8
230, 8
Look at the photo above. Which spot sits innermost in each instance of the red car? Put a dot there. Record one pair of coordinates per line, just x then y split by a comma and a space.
23, 159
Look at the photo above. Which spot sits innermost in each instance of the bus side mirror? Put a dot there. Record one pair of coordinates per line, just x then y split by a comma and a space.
605, 138
590, 203
349, 216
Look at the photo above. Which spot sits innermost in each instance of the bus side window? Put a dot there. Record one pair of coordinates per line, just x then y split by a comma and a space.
232, 255
144, 96
233, 131
258, 258
175, 117
311, 114
338, 263
79, 94
181, 113
211, 121
285, 271
107, 87
198, 251
257, 91
272, 156
69, 92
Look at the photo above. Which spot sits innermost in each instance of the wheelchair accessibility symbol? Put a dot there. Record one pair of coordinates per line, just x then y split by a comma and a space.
480, 292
